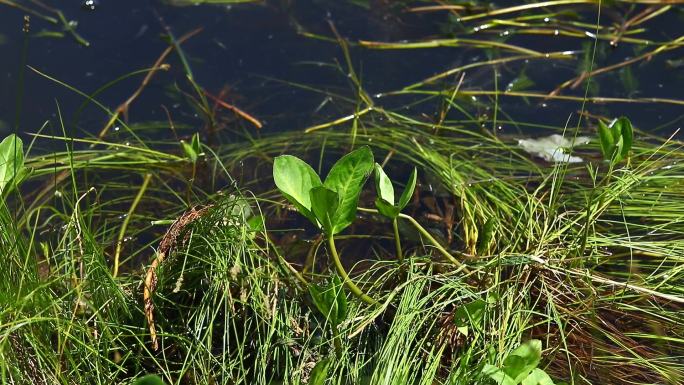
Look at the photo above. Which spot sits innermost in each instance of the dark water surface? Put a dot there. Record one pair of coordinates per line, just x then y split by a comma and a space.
255, 50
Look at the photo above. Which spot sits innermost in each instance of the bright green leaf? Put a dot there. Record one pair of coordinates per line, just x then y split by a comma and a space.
347, 178
383, 185
340, 299
150, 379
619, 147
386, 209
408, 191
537, 377
190, 152
319, 373
497, 375
195, 143
627, 135
324, 203
294, 178
606, 140
470, 314
12, 170
522, 360
324, 301
331, 300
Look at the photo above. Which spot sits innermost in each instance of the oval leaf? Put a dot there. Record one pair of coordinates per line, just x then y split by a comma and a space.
383, 185
150, 379
324, 203
324, 301
347, 178
497, 375
522, 360
340, 299
386, 209
627, 133
606, 140
538, 377
12, 167
408, 190
319, 373
294, 178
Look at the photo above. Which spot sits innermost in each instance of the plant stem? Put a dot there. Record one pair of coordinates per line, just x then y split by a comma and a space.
124, 225
347, 281
429, 237
397, 240
434, 242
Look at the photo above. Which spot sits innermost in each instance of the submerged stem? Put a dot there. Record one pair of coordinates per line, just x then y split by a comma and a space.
434, 242
429, 237
347, 281
397, 240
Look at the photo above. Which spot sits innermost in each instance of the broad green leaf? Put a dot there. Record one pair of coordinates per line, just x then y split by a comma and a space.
606, 140
386, 209
383, 185
256, 223
12, 170
470, 314
347, 178
340, 299
331, 300
189, 151
408, 191
324, 203
619, 146
537, 377
627, 134
150, 379
324, 299
521, 361
319, 373
615, 129
195, 143
294, 178
497, 375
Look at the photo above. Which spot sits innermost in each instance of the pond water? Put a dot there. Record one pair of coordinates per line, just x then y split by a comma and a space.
259, 55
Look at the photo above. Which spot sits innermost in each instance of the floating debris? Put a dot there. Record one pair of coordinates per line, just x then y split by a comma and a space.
553, 148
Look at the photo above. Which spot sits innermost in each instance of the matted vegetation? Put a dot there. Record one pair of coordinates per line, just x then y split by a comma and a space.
126, 255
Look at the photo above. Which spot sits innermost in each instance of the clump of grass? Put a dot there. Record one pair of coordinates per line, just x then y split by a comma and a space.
136, 256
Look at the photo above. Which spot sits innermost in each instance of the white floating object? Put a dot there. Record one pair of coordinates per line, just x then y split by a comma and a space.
553, 148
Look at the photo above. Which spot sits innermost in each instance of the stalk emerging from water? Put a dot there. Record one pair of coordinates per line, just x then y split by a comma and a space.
347, 281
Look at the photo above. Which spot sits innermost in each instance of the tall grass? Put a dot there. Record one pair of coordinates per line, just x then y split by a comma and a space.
585, 257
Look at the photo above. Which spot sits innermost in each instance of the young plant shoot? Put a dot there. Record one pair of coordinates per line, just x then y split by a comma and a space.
330, 205
385, 200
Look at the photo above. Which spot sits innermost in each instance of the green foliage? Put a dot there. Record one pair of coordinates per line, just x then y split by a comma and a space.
319, 373
330, 205
150, 379
330, 301
193, 149
537, 377
295, 179
470, 315
346, 178
486, 234
616, 139
324, 203
385, 200
12, 169
520, 367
